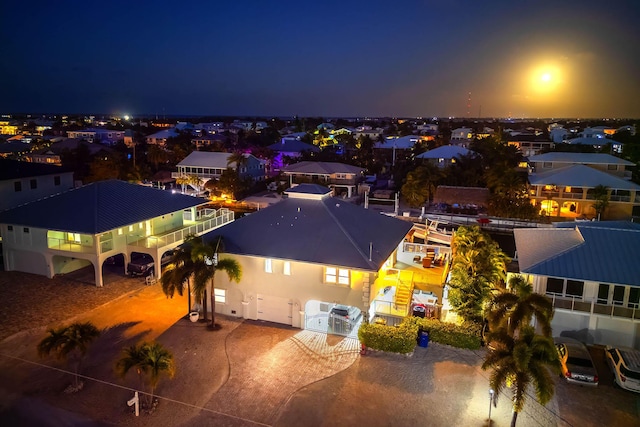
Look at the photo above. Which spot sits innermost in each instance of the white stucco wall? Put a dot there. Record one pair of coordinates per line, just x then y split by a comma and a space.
305, 283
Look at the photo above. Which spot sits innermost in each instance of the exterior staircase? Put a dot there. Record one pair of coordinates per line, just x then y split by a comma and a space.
404, 290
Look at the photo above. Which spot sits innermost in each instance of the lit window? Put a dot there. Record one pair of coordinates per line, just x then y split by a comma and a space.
220, 295
567, 189
119, 231
287, 268
268, 267
337, 275
131, 228
73, 237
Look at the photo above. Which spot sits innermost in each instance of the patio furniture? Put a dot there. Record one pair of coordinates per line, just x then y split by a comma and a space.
417, 259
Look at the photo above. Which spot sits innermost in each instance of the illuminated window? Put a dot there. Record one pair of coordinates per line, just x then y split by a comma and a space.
287, 268
337, 275
268, 267
131, 228
119, 231
220, 295
73, 237
567, 189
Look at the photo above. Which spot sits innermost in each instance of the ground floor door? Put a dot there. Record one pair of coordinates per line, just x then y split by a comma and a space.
274, 309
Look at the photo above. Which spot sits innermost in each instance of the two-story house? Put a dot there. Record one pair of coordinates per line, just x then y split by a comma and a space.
104, 136
23, 182
305, 254
160, 138
210, 165
337, 176
590, 271
85, 226
562, 185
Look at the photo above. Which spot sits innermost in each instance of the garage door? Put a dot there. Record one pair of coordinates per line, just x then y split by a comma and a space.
274, 309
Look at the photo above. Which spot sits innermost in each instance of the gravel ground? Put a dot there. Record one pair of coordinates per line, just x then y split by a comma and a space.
31, 301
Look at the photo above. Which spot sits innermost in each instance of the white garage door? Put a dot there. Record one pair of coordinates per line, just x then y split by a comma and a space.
274, 309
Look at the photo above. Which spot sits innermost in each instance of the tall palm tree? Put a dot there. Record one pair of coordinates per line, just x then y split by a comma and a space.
516, 307
177, 275
478, 267
69, 343
150, 360
238, 158
600, 194
206, 256
521, 361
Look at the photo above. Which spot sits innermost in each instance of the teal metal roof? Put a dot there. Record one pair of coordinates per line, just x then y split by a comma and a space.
599, 253
98, 207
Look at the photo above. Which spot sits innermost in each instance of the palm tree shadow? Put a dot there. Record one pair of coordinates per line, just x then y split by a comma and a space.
108, 346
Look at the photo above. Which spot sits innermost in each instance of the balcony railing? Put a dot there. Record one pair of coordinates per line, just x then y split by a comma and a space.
221, 217
69, 246
593, 307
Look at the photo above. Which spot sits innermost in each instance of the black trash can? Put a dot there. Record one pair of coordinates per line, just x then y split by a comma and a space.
423, 341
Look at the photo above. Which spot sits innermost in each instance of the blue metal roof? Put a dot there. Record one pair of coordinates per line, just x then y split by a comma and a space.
445, 152
606, 254
324, 231
98, 207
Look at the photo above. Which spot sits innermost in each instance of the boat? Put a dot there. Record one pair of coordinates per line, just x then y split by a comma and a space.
438, 235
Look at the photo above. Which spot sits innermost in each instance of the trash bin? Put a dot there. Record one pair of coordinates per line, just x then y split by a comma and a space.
424, 339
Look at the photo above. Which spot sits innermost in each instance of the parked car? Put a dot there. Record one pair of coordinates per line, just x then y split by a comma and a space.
576, 363
346, 314
625, 365
143, 265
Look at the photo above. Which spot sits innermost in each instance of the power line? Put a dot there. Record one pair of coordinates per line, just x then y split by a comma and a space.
168, 399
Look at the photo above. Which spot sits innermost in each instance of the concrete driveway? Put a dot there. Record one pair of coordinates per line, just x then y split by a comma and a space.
260, 374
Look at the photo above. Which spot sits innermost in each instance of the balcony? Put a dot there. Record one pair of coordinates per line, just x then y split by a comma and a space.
202, 225
69, 246
593, 307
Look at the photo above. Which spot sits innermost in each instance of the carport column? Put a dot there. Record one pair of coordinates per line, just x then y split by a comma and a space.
49, 260
97, 269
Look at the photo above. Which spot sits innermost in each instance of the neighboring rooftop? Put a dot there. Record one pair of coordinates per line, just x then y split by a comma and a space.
581, 176
600, 253
322, 168
583, 158
15, 169
445, 152
98, 207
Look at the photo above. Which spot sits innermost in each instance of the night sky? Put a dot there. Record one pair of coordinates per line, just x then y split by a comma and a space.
558, 58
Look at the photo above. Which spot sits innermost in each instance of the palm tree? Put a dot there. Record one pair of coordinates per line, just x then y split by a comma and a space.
517, 306
206, 256
478, 267
150, 360
177, 275
521, 361
69, 343
239, 159
600, 194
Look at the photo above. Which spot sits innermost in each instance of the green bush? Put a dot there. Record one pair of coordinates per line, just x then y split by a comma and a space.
403, 338
395, 339
461, 336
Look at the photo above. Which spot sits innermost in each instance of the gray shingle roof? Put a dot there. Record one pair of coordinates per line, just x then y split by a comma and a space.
322, 168
585, 252
326, 231
206, 159
581, 176
98, 207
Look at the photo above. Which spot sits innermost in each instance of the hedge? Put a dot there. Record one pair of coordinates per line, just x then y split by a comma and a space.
403, 338
395, 339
